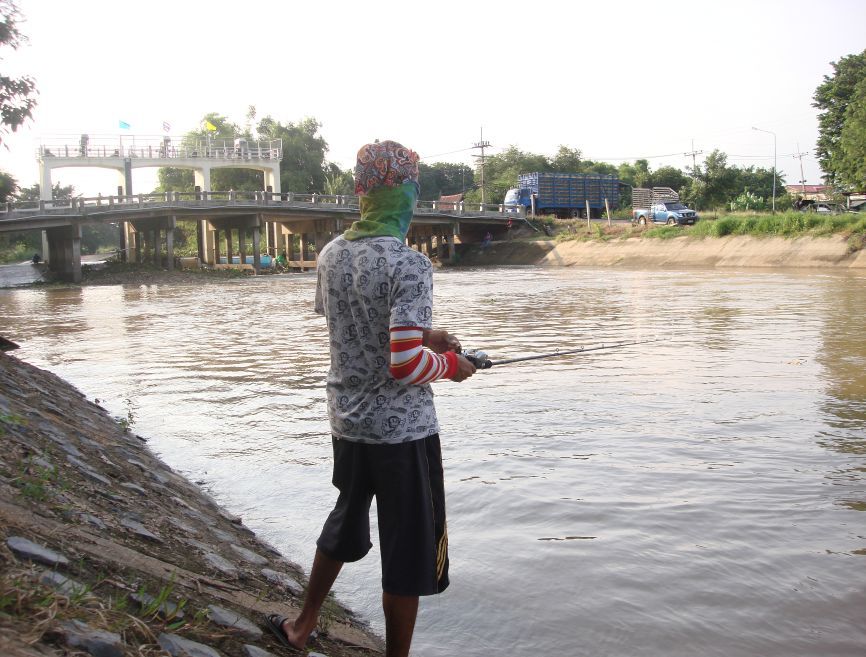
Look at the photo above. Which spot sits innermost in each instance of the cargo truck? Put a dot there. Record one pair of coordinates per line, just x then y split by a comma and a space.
563, 194
660, 205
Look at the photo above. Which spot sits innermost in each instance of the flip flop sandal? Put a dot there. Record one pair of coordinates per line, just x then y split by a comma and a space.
274, 623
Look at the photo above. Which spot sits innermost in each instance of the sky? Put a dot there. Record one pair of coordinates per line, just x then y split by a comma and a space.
618, 80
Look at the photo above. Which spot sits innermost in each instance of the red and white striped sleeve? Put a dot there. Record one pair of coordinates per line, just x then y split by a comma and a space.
412, 364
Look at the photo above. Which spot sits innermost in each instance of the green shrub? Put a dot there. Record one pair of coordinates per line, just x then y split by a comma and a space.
786, 224
725, 226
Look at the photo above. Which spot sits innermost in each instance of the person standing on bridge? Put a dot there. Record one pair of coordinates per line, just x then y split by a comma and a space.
376, 295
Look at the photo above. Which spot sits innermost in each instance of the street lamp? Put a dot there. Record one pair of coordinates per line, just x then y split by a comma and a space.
770, 132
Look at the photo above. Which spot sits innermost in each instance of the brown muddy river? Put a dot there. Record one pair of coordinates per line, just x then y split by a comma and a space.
700, 496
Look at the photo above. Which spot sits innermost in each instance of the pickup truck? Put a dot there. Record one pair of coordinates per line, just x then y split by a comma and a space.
660, 205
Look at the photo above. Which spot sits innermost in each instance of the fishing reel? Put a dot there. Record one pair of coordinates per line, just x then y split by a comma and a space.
477, 358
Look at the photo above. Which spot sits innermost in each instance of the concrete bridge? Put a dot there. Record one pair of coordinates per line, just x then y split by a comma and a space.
297, 224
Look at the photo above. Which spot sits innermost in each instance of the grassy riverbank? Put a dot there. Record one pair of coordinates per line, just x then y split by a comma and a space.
788, 224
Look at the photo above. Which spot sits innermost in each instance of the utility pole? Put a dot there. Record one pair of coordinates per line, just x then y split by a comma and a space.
800, 156
693, 153
482, 145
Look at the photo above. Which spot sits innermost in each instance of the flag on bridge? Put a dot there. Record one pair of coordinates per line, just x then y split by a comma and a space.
209, 126
166, 126
123, 125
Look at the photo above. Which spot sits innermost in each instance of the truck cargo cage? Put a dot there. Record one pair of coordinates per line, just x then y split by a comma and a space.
572, 190
642, 197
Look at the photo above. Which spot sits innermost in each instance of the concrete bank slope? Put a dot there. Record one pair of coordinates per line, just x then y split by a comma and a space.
735, 251
107, 551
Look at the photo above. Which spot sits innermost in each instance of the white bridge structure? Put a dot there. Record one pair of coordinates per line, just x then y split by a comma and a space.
125, 153
298, 225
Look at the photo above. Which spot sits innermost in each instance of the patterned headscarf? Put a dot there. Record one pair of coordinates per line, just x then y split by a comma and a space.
386, 164
386, 178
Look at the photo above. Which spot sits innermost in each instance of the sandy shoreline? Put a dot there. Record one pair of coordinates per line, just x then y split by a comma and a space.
736, 251
831, 252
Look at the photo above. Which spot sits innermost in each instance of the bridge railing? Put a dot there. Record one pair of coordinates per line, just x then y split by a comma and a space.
163, 148
346, 202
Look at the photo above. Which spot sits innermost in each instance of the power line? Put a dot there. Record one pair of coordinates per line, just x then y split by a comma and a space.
461, 150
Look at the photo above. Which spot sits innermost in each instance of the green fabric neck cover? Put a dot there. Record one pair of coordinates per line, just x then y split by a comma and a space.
385, 212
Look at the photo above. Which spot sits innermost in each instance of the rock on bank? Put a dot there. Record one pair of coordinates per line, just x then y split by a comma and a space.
105, 550
735, 251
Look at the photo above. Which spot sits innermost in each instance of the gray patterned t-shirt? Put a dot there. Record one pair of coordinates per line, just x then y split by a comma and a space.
364, 288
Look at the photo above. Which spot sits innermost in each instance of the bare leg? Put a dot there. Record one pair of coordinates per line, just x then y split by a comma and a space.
400, 613
324, 572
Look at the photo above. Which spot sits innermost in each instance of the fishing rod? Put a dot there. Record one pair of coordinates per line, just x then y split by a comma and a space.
482, 362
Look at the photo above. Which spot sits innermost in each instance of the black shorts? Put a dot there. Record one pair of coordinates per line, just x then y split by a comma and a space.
407, 481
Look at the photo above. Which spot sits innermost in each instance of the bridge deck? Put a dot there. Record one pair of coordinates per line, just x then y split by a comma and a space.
275, 207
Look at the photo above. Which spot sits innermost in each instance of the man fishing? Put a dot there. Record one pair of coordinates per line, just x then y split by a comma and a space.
376, 295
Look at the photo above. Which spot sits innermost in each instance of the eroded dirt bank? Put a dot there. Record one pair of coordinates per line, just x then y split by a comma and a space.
803, 252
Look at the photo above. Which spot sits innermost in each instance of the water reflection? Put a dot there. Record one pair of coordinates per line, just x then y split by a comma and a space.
843, 356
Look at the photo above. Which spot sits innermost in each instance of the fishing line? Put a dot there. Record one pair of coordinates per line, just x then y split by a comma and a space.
481, 361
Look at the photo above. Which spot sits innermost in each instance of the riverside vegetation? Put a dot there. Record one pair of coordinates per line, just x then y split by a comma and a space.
790, 224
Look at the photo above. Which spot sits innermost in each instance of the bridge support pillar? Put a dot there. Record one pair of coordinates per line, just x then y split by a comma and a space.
137, 246
227, 241
305, 249
242, 245
122, 240
201, 239
272, 179
289, 241
156, 238
128, 242
202, 178
214, 243
452, 239
169, 242
46, 189
64, 252
257, 247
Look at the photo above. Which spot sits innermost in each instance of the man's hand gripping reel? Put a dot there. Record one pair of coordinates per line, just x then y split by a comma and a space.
477, 358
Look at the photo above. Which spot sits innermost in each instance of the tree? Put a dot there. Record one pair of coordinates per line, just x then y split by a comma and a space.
16, 94
339, 182
719, 182
14, 243
58, 193
501, 172
8, 186
303, 168
850, 161
716, 185
567, 160
444, 178
669, 177
635, 175
832, 97
172, 179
